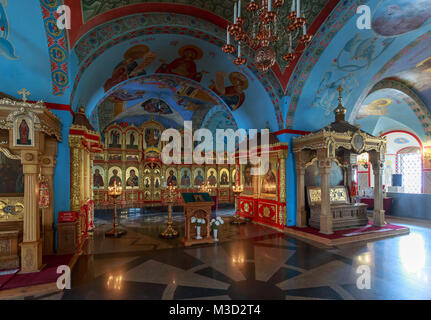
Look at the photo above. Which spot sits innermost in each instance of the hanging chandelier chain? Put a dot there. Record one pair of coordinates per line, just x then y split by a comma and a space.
264, 28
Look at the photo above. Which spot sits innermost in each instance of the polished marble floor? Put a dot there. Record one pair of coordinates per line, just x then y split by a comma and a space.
250, 262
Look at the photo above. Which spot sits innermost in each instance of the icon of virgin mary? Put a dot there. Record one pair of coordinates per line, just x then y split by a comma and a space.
24, 134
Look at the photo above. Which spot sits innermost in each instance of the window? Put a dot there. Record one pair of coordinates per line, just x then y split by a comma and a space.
410, 166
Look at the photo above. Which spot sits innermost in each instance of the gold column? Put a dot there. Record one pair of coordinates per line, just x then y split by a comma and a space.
48, 169
31, 247
325, 214
75, 172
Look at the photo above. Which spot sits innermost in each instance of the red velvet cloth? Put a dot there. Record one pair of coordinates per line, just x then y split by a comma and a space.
47, 275
347, 233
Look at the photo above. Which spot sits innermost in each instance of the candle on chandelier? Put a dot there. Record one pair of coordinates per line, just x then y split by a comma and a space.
239, 8
293, 6
227, 35
269, 5
239, 49
298, 9
304, 29
235, 12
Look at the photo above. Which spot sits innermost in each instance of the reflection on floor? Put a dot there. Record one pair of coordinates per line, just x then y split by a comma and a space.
251, 262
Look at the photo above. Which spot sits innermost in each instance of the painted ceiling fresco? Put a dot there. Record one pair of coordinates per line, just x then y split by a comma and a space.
341, 54
389, 109
28, 39
222, 8
196, 76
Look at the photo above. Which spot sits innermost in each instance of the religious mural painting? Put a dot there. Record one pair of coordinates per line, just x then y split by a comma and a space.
132, 178
7, 49
224, 177
352, 61
132, 139
199, 177
233, 95
247, 179
185, 64
12, 176
115, 139
98, 177
234, 177
186, 178
171, 177
401, 16
23, 131
212, 177
136, 59
156, 106
378, 107
114, 175
152, 137
268, 181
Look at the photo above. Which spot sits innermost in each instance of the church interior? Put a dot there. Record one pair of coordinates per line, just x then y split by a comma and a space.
112, 170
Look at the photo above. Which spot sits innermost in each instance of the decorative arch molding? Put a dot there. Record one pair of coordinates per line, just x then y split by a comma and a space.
99, 40
414, 102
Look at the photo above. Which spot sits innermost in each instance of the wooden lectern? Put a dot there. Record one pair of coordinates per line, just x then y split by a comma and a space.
197, 205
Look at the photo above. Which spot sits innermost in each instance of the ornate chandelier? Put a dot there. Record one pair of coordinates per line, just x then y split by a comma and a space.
266, 26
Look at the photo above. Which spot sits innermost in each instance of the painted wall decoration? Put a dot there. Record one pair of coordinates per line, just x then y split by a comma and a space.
132, 139
152, 137
269, 179
224, 177
199, 178
401, 140
353, 60
396, 17
23, 131
114, 175
171, 177
98, 177
377, 107
115, 139
57, 46
156, 106
7, 49
186, 178
184, 65
132, 178
12, 176
212, 177
136, 59
233, 94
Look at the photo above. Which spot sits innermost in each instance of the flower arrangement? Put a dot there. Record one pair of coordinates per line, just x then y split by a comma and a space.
198, 222
216, 223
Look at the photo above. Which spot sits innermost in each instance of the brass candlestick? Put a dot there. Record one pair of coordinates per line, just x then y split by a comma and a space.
171, 195
237, 219
115, 192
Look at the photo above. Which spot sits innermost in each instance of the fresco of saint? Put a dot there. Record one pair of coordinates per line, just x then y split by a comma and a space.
172, 179
224, 179
212, 180
136, 59
98, 179
185, 179
269, 182
199, 179
115, 178
233, 95
152, 137
24, 134
133, 180
185, 65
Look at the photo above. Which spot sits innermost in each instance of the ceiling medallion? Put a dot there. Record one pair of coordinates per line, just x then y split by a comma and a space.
266, 27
